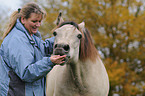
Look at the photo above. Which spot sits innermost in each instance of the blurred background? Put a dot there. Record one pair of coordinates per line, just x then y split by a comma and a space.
117, 28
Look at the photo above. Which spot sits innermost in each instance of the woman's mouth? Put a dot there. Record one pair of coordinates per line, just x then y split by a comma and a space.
34, 29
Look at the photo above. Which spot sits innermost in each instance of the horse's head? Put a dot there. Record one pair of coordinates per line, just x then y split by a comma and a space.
67, 39
73, 40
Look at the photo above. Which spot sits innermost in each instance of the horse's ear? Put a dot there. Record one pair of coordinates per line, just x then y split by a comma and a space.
59, 19
82, 25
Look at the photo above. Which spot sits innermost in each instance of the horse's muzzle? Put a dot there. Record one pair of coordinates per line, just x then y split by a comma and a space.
60, 49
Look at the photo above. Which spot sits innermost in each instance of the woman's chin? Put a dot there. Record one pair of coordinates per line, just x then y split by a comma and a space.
34, 32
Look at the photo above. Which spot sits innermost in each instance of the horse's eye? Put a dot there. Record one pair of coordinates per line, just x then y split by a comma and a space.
54, 33
79, 36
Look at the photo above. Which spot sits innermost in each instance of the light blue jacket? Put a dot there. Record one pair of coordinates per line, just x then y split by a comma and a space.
23, 63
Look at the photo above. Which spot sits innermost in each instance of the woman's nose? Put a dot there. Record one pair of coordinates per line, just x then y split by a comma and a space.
38, 24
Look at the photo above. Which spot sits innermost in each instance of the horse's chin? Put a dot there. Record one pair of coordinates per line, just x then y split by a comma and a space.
66, 60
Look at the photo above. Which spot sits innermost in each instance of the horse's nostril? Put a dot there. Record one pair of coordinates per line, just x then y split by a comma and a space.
66, 47
62, 46
55, 46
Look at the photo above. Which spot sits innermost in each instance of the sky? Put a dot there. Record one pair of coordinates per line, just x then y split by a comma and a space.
12, 5
15, 4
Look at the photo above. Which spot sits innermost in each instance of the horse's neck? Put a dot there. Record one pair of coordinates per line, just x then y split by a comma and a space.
79, 73
85, 77
82, 71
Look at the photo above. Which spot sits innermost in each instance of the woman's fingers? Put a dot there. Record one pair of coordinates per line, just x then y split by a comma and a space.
57, 59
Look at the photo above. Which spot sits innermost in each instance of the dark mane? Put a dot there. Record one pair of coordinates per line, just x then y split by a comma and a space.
87, 48
69, 22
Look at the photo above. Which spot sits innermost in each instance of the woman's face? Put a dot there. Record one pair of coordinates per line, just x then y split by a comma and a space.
33, 23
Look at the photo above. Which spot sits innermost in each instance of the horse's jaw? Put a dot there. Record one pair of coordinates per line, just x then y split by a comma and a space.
70, 61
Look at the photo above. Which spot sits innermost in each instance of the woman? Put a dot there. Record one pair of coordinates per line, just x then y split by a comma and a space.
23, 61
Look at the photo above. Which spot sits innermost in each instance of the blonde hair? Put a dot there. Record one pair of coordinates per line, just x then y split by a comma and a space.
25, 12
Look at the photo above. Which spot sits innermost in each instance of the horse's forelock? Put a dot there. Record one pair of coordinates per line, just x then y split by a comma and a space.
70, 23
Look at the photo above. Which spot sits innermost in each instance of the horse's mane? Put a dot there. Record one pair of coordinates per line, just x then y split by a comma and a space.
87, 48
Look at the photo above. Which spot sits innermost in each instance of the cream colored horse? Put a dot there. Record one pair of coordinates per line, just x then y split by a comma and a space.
84, 73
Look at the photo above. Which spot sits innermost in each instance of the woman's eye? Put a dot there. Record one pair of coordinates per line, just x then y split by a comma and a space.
79, 36
34, 21
54, 33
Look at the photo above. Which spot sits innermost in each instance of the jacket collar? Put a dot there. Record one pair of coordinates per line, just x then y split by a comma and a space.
20, 27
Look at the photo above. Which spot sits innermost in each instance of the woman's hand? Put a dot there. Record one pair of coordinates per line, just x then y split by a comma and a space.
57, 59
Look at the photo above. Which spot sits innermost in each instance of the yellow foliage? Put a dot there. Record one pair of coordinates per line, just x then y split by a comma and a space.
116, 71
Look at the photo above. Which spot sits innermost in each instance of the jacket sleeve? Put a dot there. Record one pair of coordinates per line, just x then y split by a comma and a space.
48, 46
20, 54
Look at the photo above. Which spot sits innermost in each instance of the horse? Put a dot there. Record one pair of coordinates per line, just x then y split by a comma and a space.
83, 73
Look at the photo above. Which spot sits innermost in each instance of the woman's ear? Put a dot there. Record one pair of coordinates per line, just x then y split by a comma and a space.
22, 20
